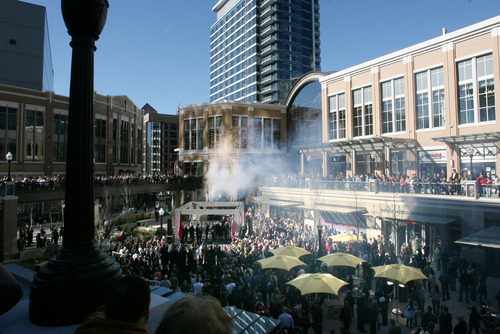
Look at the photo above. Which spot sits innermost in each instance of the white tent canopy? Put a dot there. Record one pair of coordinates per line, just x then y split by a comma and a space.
196, 210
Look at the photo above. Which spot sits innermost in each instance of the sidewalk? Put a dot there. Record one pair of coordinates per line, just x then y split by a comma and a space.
455, 307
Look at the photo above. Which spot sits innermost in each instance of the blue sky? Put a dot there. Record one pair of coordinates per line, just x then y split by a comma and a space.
157, 51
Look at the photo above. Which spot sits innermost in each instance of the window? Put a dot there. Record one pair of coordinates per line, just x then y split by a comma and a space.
34, 135
8, 133
115, 142
337, 117
476, 90
398, 163
100, 140
193, 168
124, 141
193, 134
393, 106
214, 131
139, 146
429, 87
60, 138
240, 131
267, 133
362, 112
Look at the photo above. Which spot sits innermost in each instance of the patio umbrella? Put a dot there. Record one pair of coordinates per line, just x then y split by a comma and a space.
290, 251
341, 259
317, 283
345, 237
399, 272
280, 262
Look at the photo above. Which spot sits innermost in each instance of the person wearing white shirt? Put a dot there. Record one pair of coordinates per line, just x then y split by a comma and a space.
197, 286
230, 287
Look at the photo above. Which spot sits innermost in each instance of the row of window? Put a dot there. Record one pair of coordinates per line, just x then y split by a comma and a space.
266, 132
476, 94
34, 137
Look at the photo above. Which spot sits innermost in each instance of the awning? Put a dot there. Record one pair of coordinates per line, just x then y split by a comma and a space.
331, 208
274, 202
354, 220
489, 238
362, 144
467, 139
413, 218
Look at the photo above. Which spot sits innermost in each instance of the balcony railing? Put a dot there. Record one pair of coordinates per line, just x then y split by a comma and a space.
469, 188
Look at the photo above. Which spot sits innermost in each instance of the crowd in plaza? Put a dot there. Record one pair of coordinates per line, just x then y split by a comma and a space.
228, 271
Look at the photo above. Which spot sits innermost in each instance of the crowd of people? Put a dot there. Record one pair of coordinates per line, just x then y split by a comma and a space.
437, 183
57, 182
229, 272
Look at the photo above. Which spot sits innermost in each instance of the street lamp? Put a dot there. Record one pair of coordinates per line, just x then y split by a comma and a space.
470, 152
8, 156
373, 156
161, 212
320, 232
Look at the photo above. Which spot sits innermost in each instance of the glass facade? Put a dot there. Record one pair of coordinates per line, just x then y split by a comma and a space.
259, 49
34, 132
429, 87
476, 90
60, 137
8, 131
304, 116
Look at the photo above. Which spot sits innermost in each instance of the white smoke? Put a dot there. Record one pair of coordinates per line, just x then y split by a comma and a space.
232, 173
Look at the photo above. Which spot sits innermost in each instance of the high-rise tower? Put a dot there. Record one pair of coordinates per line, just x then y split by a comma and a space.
25, 54
258, 48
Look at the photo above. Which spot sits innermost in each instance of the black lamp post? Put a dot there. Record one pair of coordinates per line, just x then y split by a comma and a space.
8, 156
161, 212
320, 232
74, 283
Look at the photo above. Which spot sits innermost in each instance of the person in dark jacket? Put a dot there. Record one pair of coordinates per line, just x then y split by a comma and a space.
445, 319
464, 282
346, 315
474, 319
362, 312
461, 326
317, 317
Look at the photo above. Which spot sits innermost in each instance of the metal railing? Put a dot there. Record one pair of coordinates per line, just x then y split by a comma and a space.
469, 188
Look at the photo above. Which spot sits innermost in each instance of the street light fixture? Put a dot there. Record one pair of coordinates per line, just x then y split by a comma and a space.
9, 157
373, 155
161, 212
320, 232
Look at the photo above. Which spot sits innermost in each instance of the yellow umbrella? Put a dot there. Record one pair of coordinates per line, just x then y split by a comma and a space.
280, 262
341, 259
290, 251
317, 283
399, 272
345, 237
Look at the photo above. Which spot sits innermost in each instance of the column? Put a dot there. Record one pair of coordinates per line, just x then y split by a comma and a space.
72, 284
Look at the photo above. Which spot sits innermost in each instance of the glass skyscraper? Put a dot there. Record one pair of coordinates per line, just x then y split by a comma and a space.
25, 53
258, 48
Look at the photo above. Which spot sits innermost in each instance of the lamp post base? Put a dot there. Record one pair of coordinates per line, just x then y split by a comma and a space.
71, 286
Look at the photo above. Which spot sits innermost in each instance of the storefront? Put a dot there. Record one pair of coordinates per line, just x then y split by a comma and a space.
432, 162
400, 229
489, 241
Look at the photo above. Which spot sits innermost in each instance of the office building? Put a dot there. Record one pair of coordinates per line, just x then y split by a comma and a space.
161, 134
25, 53
34, 128
258, 49
253, 130
424, 110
